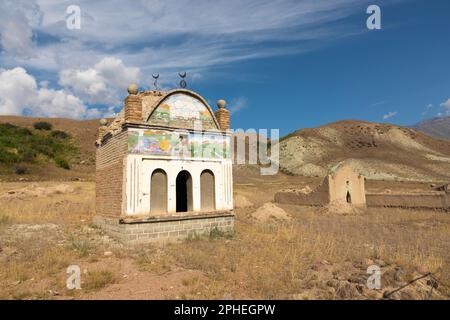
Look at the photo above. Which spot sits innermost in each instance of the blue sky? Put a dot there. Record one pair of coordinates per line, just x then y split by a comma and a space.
279, 64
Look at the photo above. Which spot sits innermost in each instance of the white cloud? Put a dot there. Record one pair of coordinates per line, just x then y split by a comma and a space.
238, 104
445, 106
390, 115
17, 20
165, 35
104, 83
19, 94
17, 91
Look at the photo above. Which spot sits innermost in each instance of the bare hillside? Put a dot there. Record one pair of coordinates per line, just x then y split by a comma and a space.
82, 135
435, 127
378, 151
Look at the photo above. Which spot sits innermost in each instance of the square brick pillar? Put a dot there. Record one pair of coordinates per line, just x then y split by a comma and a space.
222, 115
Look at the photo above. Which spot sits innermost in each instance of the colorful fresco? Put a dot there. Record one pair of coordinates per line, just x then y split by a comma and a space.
182, 111
179, 144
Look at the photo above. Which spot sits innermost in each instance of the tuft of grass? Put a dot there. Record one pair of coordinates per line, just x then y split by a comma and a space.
96, 280
81, 245
4, 218
62, 163
216, 233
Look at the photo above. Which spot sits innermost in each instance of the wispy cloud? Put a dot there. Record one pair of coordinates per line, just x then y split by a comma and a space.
154, 36
390, 115
238, 104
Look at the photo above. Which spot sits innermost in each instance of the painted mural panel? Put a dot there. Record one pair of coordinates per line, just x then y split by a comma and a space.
182, 111
179, 144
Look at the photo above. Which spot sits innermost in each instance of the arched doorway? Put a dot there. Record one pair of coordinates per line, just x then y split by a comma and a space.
158, 192
349, 197
207, 194
184, 191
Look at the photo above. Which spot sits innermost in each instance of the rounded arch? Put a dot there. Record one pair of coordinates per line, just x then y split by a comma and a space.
207, 190
184, 191
188, 93
158, 192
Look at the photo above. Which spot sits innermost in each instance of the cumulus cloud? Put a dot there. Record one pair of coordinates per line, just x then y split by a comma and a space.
390, 115
20, 94
103, 83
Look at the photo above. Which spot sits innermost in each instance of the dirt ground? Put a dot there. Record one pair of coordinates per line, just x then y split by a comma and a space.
298, 253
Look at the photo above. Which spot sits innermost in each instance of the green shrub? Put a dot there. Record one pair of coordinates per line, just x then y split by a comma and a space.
20, 145
59, 134
62, 163
42, 126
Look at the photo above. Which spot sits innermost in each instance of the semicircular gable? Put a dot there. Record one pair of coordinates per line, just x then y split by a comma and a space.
181, 109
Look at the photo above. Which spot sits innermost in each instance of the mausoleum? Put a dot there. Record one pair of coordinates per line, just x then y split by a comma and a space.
164, 168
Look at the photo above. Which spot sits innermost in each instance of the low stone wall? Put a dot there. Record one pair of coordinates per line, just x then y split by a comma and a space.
318, 198
426, 201
164, 229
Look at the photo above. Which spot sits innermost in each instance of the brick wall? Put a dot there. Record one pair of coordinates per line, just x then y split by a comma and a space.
164, 231
109, 175
424, 201
133, 108
223, 118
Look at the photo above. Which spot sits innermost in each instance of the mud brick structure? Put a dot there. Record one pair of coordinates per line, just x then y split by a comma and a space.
164, 168
424, 200
343, 184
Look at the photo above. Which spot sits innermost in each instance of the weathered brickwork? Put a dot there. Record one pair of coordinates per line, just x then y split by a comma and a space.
133, 108
223, 118
109, 175
125, 184
436, 200
163, 231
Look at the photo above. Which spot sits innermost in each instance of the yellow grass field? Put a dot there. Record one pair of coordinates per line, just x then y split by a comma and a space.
46, 226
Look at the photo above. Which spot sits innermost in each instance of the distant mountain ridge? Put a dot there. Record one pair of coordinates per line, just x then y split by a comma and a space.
438, 127
377, 150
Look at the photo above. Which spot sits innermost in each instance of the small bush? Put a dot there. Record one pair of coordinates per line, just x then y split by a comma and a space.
62, 163
20, 170
96, 280
216, 233
81, 245
42, 126
59, 134
4, 219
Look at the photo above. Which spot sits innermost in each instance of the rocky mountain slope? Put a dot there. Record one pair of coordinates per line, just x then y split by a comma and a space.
435, 127
378, 151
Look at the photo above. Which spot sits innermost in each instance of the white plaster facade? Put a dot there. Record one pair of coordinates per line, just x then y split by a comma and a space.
138, 182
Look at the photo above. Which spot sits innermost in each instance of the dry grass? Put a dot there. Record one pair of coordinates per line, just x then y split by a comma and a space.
96, 280
64, 209
275, 261
312, 256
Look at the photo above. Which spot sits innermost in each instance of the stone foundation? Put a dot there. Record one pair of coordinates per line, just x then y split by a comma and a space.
167, 229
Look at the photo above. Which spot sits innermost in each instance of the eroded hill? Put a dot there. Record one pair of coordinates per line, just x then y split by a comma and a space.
378, 151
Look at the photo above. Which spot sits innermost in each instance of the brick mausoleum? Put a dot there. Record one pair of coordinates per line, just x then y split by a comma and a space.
164, 168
